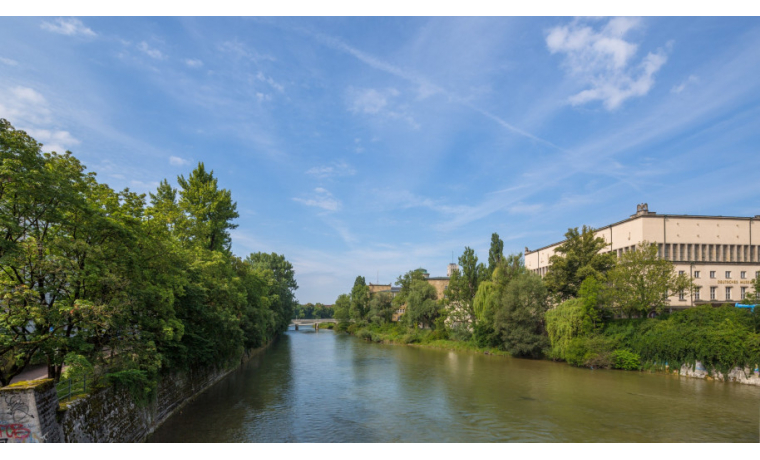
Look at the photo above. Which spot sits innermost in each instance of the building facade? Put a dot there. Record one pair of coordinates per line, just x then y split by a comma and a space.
440, 283
720, 254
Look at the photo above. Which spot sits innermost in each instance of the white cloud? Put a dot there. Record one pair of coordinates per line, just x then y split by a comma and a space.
53, 140
70, 26
24, 106
152, 52
195, 63
338, 169
603, 60
678, 89
7, 61
321, 199
270, 81
178, 161
370, 101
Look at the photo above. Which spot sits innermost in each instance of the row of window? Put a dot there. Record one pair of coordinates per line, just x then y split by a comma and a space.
709, 252
713, 274
714, 294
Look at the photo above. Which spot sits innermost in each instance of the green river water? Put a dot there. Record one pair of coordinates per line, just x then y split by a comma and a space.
327, 387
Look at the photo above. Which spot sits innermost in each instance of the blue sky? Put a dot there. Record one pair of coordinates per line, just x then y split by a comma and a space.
366, 146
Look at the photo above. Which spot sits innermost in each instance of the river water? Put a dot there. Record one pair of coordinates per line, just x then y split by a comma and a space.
328, 387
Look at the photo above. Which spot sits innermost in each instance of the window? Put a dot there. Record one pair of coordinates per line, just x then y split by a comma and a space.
681, 272
728, 293
696, 294
696, 274
757, 274
728, 275
744, 275
712, 274
681, 296
713, 293
744, 293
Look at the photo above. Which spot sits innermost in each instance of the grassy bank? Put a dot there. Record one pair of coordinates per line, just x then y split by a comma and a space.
396, 333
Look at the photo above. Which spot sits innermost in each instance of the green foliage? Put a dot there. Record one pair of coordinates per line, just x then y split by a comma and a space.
564, 323
463, 286
342, 307
641, 282
593, 351
421, 305
519, 318
381, 308
626, 360
96, 279
359, 307
495, 253
575, 260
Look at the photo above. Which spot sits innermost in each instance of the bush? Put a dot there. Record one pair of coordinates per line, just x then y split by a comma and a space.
626, 360
592, 351
342, 327
411, 337
364, 334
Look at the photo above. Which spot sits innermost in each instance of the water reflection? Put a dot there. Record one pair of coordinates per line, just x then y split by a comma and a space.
323, 387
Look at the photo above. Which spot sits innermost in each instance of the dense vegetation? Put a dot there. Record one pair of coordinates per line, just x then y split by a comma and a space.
590, 310
117, 281
313, 311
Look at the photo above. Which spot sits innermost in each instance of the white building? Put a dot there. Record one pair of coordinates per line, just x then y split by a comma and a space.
720, 254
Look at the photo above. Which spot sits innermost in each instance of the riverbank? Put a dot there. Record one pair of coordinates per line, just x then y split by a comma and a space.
396, 334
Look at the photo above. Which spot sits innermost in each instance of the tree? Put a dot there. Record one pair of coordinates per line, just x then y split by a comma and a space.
496, 253
519, 317
642, 282
381, 308
577, 258
486, 300
405, 281
282, 294
463, 286
342, 307
359, 299
210, 210
421, 305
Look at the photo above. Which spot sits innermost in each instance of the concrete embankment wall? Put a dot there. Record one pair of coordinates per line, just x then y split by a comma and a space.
737, 375
29, 411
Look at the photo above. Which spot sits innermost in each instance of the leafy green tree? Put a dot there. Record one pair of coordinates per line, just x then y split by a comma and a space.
496, 253
519, 318
282, 294
421, 305
576, 259
359, 299
486, 300
342, 307
209, 210
463, 286
642, 282
405, 281
381, 308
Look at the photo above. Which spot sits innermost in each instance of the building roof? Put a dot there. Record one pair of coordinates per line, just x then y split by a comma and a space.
649, 215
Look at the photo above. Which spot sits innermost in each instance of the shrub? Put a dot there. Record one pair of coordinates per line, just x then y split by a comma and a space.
626, 360
342, 327
592, 351
411, 337
364, 334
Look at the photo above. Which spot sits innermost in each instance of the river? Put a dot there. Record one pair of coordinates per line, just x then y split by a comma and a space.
328, 387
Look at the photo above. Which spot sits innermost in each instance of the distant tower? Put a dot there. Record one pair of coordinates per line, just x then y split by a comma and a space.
450, 269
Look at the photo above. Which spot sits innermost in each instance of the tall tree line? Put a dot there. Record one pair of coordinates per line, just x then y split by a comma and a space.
130, 283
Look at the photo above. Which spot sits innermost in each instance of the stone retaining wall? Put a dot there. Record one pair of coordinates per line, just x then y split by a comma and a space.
29, 411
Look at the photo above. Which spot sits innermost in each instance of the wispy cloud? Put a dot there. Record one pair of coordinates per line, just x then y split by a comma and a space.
602, 59
240, 50
152, 52
194, 63
322, 199
426, 87
337, 169
24, 105
68, 26
370, 101
7, 61
688, 82
270, 81
178, 161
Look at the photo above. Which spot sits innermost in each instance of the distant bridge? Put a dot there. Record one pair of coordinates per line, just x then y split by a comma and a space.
311, 323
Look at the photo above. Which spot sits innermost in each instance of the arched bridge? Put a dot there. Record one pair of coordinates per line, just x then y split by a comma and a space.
310, 323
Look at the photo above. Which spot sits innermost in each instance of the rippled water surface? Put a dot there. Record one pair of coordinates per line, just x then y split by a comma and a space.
327, 387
